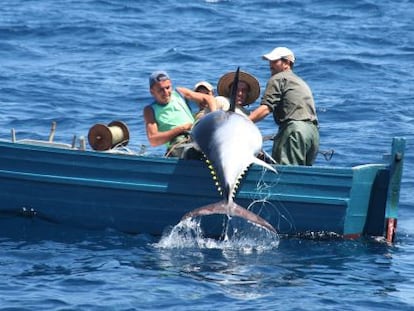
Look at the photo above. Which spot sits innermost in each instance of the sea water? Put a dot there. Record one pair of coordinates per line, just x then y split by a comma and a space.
85, 62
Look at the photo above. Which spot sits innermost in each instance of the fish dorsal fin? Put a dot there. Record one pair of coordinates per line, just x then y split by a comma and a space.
233, 92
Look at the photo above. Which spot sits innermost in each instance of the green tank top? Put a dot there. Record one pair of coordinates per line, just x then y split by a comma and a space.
173, 114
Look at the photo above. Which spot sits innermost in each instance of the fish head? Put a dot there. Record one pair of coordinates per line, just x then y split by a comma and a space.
230, 143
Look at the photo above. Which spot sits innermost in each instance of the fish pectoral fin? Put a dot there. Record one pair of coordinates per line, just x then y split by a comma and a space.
264, 164
230, 209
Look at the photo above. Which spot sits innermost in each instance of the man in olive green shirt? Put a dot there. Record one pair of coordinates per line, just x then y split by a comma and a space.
290, 100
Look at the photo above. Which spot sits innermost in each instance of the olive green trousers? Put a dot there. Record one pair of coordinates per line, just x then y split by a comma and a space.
296, 143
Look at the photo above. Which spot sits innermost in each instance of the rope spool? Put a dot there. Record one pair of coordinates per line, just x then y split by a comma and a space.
102, 137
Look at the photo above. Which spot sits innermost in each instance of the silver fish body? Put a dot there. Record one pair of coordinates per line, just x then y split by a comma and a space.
230, 142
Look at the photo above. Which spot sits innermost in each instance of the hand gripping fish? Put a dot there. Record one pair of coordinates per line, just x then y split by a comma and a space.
230, 142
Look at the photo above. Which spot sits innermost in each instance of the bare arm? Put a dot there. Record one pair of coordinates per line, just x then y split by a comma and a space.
259, 113
157, 138
203, 100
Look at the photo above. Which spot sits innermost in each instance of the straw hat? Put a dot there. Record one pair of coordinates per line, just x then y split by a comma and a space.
225, 82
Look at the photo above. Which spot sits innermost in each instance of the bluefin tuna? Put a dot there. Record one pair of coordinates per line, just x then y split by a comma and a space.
230, 143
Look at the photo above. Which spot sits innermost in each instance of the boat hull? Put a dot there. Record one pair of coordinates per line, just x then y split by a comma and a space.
140, 194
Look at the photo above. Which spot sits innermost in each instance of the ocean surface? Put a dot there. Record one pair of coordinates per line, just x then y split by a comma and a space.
85, 62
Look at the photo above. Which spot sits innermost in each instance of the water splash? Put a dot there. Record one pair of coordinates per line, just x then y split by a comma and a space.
237, 235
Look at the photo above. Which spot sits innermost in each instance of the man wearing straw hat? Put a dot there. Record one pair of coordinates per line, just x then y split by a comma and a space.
290, 100
248, 90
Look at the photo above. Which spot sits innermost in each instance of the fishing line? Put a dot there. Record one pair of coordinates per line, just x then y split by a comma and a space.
261, 197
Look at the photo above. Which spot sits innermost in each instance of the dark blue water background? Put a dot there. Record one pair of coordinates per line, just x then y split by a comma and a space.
85, 62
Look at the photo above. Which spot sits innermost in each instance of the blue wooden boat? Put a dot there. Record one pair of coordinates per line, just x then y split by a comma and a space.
50, 183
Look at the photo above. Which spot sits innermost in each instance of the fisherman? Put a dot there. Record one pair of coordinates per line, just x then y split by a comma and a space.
205, 88
248, 90
168, 119
290, 100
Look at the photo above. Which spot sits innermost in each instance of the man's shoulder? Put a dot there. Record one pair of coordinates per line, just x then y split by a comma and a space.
283, 75
176, 94
152, 107
286, 73
287, 76
148, 109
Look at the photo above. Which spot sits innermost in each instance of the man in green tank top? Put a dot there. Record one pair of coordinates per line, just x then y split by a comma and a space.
168, 119
290, 100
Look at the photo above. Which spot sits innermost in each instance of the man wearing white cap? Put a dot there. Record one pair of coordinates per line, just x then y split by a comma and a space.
290, 100
205, 88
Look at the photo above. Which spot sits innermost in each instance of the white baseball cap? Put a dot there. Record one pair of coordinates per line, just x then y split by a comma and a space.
278, 53
204, 84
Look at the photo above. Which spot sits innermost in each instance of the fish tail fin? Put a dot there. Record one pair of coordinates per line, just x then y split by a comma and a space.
230, 209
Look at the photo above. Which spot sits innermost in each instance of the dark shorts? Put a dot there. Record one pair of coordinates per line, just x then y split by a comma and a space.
296, 143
